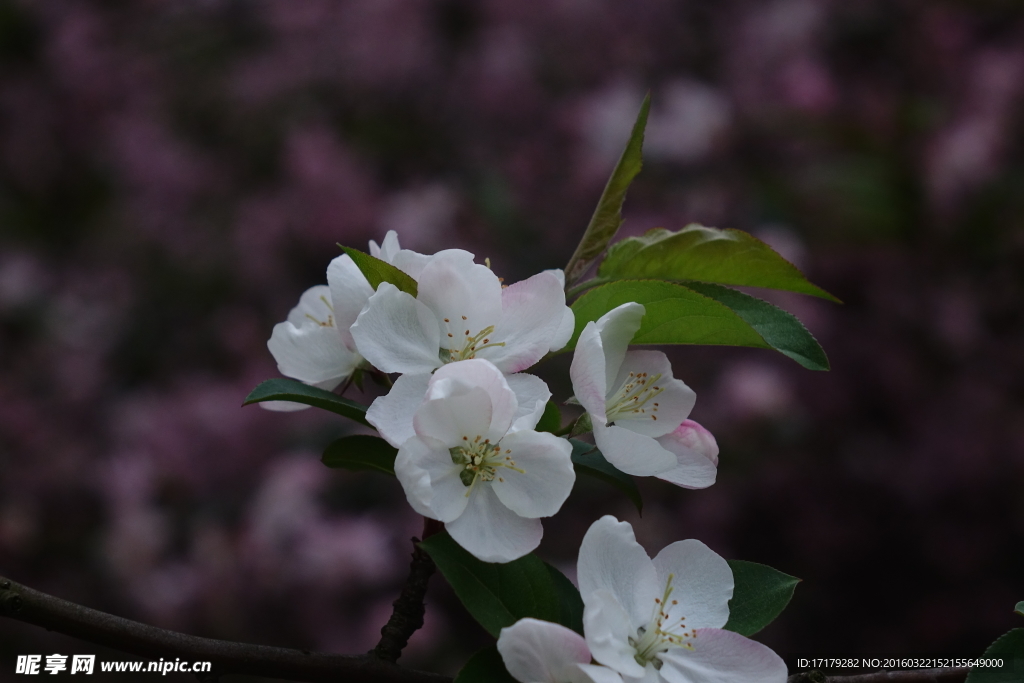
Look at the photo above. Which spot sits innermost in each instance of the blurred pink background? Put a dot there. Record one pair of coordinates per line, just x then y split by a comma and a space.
174, 174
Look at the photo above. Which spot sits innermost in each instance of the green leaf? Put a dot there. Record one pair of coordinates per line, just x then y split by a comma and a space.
1010, 648
361, 452
284, 389
782, 330
608, 215
377, 271
760, 595
726, 257
551, 420
486, 666
586, 459
498, 595
1019, 608
677, 314
570, 603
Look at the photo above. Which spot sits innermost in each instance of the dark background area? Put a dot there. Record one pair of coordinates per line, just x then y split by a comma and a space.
173, 174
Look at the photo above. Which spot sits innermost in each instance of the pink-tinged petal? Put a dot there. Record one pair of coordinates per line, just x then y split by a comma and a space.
490, 531
455, 420
349, 293
611, 560
723, 657
593, 673
532, 395
587, 373
464, 296
430, 479
314, 307
547, 474
397, 333
531, 317
653, 415
457, 378
536, 651
702, 583
617, 328
392, 414
696, 455
633, 453
607, 627
694, 437
311, 353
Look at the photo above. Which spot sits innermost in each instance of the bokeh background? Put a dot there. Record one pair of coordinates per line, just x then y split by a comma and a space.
173, 174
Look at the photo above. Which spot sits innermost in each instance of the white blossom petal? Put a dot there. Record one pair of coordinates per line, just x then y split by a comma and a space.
492, 532
430, 479
392, 413
397, 333
660, 410
457, 378
587, 373
536, 651
455, 420
607, 628
547, 474
702, 583
532, 314
568, 324
410, 262
532, 395
617, 328
696, 454
723, 657
350, 291
633, 453
311, 353
464, 296
314, 307
610, 559
593, 673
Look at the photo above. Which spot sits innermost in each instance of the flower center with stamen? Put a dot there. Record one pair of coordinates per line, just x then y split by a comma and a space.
480, 459
470, 343
634, 399
330, 318
663, 632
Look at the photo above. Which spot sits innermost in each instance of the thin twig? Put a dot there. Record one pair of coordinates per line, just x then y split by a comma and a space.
407, 616
33, 607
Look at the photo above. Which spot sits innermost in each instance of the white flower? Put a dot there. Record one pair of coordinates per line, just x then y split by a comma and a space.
314, 345
537, 651
475, 463
635, 404
461, 311
661, 620
393, 413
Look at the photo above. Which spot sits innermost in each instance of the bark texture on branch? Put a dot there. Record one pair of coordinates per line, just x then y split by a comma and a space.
407, 616
33, 607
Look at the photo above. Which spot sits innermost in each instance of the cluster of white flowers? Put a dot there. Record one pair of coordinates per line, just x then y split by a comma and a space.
463, 414
644, 620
